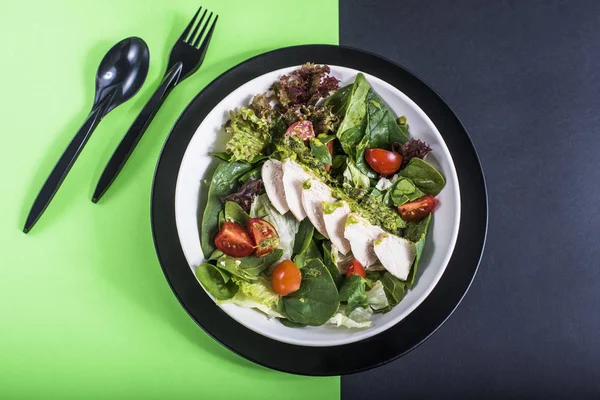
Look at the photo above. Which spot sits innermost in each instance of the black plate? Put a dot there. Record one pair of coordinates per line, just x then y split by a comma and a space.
349, 358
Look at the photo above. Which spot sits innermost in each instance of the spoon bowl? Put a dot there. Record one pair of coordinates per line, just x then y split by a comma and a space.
124, 69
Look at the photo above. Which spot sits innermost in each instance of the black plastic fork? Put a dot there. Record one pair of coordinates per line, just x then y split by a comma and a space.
186, 58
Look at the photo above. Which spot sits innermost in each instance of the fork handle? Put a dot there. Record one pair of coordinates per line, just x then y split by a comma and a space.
136, 131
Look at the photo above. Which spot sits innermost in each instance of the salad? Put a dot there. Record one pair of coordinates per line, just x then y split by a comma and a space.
318, 211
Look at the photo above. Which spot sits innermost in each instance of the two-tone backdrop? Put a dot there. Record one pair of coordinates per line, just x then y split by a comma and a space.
85, 311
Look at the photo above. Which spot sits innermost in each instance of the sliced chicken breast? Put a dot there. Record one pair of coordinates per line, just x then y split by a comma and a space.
396, 254
293, 178
362, 234
314, 193
334, 216
272, 176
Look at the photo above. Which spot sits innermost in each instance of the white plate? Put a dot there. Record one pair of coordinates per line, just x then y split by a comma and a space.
197, 167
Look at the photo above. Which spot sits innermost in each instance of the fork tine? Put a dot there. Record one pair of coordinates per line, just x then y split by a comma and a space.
206, 40
189, 27
198, 24
197, 41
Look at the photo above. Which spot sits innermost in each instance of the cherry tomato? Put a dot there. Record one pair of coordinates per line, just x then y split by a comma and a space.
234, 240
417, 209
384, 162
286, 278
330, 148
264, 236
356, 268
303, 129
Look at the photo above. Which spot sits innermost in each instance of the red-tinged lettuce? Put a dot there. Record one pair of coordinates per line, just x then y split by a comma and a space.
246, 193
414, 148
305, 86
323, 118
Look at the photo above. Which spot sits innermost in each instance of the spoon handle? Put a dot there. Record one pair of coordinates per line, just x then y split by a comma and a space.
136, 131
64, 164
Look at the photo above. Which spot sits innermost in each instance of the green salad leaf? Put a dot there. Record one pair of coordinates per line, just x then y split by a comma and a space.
353, 176
403, 191
339, 100
394, 289
303, 236
259, 292
214, 281
224, 181
353, 293
233, 212
352, 127
424, 176
329, 261
376, 296
320, 151
317, 299
248, 267
249, 135
416, 232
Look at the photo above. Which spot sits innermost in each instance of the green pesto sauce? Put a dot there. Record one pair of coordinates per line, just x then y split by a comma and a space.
307, 184
329, 208
371, 208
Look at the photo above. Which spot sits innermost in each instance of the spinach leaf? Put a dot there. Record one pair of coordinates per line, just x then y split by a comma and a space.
339, 100
424, 176
221, 218
381, 131
416, 232
222, 156
403, 191
320, 151
329, 261
382, 126
317, 299
311, 253
253, 173
352, 127
213, 280
290, 324
304, 236
215, 255
361, 162
235, 213
394, 289
353, 292
249, 267
224, 181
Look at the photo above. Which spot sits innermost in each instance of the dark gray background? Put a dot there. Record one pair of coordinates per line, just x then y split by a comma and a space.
523, 77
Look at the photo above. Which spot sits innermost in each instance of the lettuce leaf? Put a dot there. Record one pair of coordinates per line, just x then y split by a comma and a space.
376, 296
258, 295
249, 135
354, 177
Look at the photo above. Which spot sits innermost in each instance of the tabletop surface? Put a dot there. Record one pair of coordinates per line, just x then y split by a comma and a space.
523, 77
85, 311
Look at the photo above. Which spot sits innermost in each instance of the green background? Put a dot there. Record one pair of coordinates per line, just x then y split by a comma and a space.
84, 308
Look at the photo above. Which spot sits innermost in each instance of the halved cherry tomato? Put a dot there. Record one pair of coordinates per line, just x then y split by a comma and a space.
330, 148
384, 162
356, 268
303, 129
286, 278
234, 240
264, 235
417, 209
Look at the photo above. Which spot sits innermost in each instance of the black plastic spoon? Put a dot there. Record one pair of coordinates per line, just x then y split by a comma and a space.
121, 74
